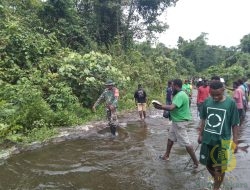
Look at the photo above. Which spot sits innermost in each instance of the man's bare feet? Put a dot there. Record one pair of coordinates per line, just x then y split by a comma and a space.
164, 157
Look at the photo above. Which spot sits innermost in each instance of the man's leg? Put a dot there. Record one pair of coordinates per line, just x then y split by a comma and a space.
217, 176
140, 114
144, 114
139, 107
168, 150
191, 152
210, 169
112, 129
171, 140
144, 109
113, 122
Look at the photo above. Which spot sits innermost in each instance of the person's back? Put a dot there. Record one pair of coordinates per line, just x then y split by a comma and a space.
140, 97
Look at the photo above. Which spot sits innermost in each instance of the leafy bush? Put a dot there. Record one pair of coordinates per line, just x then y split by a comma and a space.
86, 75
40, 134
28, 106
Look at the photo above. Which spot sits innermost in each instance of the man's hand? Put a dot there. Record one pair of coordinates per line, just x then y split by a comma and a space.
111, 107
157, 106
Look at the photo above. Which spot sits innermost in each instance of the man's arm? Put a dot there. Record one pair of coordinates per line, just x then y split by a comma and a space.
168, 107
135, 97
201, 129
146, 98
101, 97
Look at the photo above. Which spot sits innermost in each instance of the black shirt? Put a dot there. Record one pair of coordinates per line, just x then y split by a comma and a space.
140, 96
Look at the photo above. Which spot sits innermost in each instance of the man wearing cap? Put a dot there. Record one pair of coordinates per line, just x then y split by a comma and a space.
110, 96
199, 83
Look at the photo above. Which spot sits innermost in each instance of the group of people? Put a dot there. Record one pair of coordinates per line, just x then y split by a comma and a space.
219, 120
240, 95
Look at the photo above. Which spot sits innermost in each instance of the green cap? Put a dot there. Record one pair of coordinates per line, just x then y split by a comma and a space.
109, 83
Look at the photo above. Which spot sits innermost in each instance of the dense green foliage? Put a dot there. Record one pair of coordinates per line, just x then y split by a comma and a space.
57, 54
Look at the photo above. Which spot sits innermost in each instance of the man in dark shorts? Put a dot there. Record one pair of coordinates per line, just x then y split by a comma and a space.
219, 116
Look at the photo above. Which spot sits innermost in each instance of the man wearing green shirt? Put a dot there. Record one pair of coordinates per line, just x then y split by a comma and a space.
180, 115
186, 87
219, 120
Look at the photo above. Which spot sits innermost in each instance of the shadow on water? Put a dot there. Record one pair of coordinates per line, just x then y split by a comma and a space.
130, 161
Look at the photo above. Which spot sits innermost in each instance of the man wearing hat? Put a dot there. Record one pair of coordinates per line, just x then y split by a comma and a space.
110, 96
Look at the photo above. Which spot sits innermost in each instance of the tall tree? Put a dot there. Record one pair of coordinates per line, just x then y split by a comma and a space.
245, 44
141, 18
198, 52
61, 17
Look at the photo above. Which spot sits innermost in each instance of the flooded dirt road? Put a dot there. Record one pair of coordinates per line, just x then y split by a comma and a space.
129, 161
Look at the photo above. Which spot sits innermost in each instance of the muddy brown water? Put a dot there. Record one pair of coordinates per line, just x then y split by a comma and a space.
130, 161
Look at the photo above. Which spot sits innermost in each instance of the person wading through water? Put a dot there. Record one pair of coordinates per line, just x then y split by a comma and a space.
140, 97
219, 120
110, 96
180, 116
